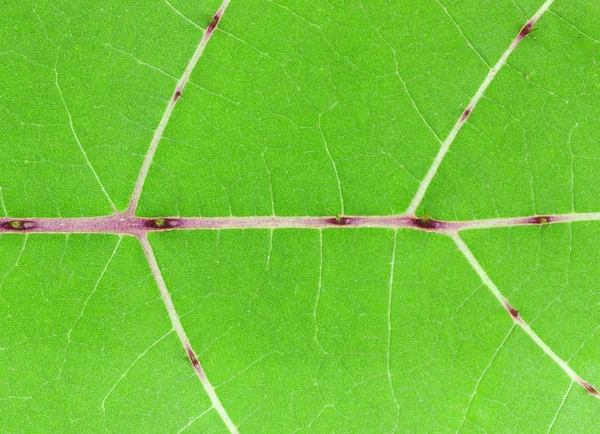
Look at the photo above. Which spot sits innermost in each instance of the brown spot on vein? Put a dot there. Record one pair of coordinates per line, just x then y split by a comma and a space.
427, 223
513, 312
541, 220
18, 225
466, 113
587, 386
213, 23
339, 221
527, 29
177, 95
162, 223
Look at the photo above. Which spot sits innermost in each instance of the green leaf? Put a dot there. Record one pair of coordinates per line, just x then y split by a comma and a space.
277, 216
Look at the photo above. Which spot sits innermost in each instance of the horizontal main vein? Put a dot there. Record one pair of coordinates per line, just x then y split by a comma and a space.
424, 185
158, 133
464, 249
124, 224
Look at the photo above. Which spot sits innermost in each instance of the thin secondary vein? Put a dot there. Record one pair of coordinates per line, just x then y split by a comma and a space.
182, 15
333, 164
87, 160
2, 203
137, 359
158, 133
464, 249
85, 303
562, 403
485, 370
389, 324
177, 326
412, 208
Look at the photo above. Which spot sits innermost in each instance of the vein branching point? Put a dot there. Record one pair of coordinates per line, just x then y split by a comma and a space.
127, 223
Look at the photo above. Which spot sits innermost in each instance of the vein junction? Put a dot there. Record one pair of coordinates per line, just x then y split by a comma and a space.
127, 223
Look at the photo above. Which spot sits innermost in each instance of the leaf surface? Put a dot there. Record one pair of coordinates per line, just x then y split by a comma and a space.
409, 121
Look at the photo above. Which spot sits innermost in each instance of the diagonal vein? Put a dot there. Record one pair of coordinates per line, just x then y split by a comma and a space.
174, 317
481, 377
85, 303
464, 249
416, 201
158, 133
87, 160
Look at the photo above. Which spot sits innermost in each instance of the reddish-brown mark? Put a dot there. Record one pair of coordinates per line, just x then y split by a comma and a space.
18, 225
527, 29
587, 386
466, 113
540, 220
213, 23
162, 223
427, 223
513, 312
339, 221
177, 95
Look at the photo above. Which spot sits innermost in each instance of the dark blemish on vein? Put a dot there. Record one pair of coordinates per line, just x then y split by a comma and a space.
466, 113
18, 225
192, 357
339, 221
527, 29
177, 94
213, 24
194, 360
587, 386
513, 312
162, 223
426, 223
540, 220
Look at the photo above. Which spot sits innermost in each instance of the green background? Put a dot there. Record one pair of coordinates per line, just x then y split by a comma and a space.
299, 108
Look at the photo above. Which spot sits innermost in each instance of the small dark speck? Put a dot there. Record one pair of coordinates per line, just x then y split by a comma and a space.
162, 223
18, 225
339, 221
589, 387
527, 29
427, 223
541, 220
466, 113
213, 23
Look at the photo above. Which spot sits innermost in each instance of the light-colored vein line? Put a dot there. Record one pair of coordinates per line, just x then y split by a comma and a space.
271, 233
178, 12
174, 317
333, 164
137, 359
141, 62
562, 403
16, 262
416, 201
464, 249
319, 289
158, 133
85, 156
85, 303
575, 27
412, 100
485, 370
193, 420
2, 203
389, 324
462, 33
572, 167
270, 182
